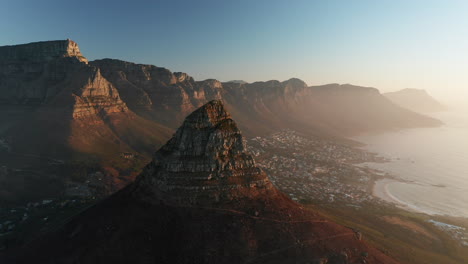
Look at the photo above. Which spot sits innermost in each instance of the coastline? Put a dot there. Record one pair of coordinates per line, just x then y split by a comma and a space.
380, 190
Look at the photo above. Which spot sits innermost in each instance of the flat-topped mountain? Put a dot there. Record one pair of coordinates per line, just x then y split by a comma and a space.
333, 109
41, 51
201, 200
260, 107
417, 100
55, 104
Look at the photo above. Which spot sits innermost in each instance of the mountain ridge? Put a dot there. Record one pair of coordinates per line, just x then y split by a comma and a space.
150, 221
58, 104
206, 155
417, 100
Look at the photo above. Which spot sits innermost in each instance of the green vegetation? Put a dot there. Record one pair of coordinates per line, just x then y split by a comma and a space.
404, 235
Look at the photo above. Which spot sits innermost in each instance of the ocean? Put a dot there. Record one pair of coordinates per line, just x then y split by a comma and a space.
432, 164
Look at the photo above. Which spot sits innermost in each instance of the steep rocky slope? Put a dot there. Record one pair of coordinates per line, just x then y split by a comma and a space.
55, 78
201, 200
56, 104
351, 110
337, 110
416, 100
61, 102
260, 107
156, 93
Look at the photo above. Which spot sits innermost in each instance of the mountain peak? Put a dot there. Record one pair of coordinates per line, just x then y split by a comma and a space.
210, 115
206, 161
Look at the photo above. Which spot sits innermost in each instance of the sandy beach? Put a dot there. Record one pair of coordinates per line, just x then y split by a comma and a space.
380, 190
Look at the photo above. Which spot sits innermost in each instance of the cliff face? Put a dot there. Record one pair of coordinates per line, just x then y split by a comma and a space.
92, 95
55, 103
206, 161
41, 51
333, 110
156, 93
261, 107
54, 91
55, 79
201, 200
55, 73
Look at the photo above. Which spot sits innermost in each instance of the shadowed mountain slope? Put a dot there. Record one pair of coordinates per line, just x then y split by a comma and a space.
201, 200
55, 104
64, 105
53, 89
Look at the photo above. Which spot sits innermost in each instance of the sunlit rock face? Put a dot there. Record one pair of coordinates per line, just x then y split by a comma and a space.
94, 95
206, 161
157, 93
55, 74
202, 199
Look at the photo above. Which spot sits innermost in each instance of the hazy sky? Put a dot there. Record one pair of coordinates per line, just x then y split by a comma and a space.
389, 45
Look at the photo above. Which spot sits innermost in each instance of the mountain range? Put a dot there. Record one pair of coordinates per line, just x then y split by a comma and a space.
55, 105
202, 199
56, 102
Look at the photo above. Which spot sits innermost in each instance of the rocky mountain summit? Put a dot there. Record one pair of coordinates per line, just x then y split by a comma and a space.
201, 200
206, 161
156, 93
49, 88
54, 103
55, 74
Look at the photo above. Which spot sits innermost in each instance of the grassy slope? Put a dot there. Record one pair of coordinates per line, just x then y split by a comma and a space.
402, 243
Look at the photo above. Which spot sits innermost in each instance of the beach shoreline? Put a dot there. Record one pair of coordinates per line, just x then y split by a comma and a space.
380, 190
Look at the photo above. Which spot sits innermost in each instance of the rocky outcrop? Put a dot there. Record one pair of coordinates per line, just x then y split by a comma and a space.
94, 95
66, 106
55, 74
157, 93
201, 200
260, 107
205, 161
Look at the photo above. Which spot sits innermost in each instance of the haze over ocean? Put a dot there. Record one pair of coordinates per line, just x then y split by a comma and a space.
434, 160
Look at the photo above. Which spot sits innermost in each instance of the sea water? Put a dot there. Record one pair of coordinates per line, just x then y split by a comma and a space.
431, 162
